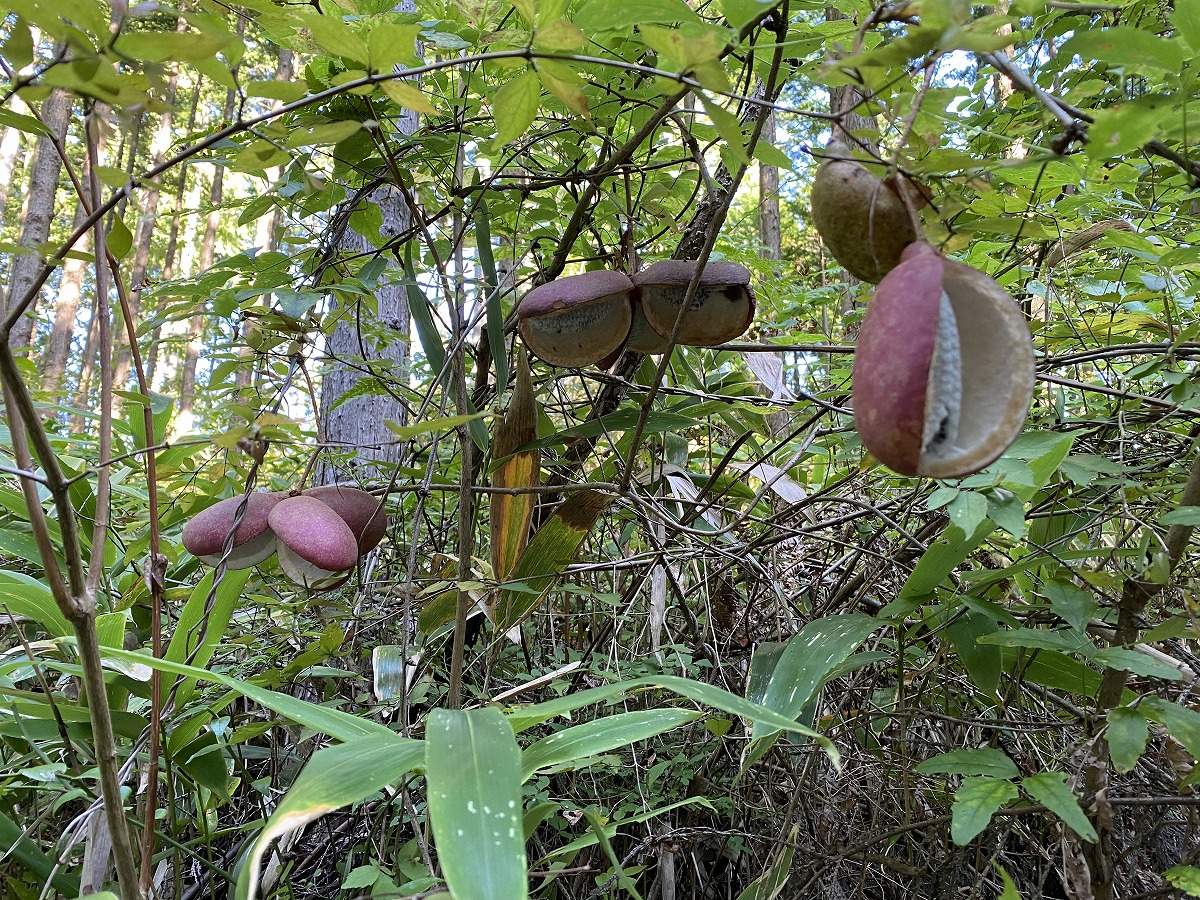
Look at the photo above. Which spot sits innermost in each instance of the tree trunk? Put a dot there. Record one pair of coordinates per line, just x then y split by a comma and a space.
39, 212
769, 232
172, 250
266, 238
143, 241
70, 289
359, 424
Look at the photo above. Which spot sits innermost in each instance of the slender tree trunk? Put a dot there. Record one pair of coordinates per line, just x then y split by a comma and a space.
266, 238
359, 424
208, 254
70, 290
770, 238
39, 212
10, 153
172, 251
144, 237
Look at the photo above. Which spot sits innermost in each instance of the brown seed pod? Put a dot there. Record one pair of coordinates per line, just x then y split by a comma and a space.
316, 546
578, 320
944, 368
642, 338
358, 509
721, 310
204, 534
860, 217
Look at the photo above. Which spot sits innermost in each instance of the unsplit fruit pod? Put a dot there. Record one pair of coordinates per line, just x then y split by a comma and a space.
254, 541
943, 370
860, 217
577, 320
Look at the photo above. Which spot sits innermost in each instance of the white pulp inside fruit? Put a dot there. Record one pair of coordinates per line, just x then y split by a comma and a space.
246, 554
302, 572
943, 395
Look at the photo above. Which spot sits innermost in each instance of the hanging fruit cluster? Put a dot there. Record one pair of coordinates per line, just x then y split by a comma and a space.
944, 368
589, 319
319, 534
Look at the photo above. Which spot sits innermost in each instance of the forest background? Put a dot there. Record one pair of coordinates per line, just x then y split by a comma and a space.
659, 631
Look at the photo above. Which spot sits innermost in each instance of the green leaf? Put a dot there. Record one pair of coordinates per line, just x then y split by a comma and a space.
728, 127
1050, 789
600, 736
199, 629
983, 761
333, 722
1009, 891
621, 15
1007, 510
1073, 604
118, 239
1184, 515
473, 769
1125, 45
769, 885
559, 35
1129, 660
334, 777
1127, 734
1123, 128
1186, 19
982, 661
528, 716
24, 596
1181, 723
770, 155
975, 802
445, 423
24, 850
1042, 639
514, 107
422, 316
1185, 878
808, 658
161, 46
967, 511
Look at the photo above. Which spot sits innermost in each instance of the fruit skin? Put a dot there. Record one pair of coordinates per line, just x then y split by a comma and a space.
860, 217
721, 310
315, 545
893, 360
577, 320
204, 534
358, 509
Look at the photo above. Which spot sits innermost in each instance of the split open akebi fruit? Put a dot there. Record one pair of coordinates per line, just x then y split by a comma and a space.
944, 368
205, 533
578, 320
860, 217
316, 547
721, 309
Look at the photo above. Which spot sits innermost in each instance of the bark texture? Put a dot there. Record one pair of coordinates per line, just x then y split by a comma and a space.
38, 214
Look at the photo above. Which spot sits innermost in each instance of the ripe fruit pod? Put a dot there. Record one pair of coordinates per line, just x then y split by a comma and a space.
204, 534
358, 509
944, 369
860, 217
316, 547
642, 338
578, 320
721, 310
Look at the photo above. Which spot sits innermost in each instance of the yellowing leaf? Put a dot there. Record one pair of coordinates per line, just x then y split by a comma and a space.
727, 126
337, 39
160, 46
559, 35
329, 133
404, 94
392, 45
511, 514
572, 96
